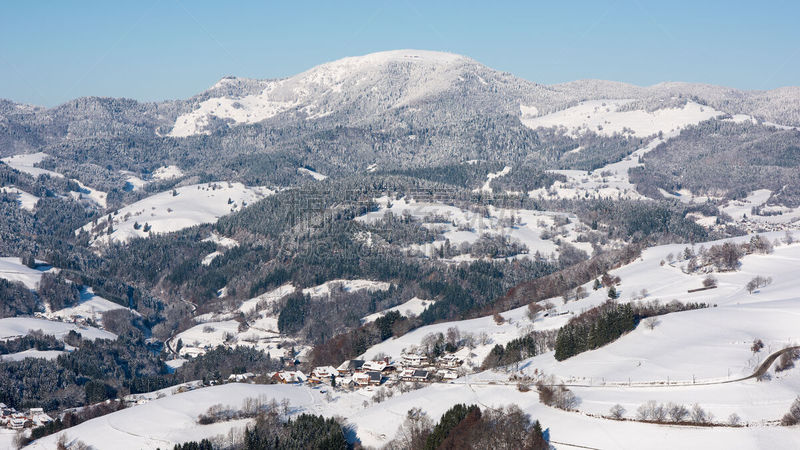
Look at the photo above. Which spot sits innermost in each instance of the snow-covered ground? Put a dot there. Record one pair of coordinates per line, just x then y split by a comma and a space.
11, 327
12, 269
414, 307
98, 197
90, 306
32, 353
536, 229
315, 175
166, 212
25, 163
609, 181
167, 173
603, 117
164, 422
685, 349
487, 186
325, 289
26, 200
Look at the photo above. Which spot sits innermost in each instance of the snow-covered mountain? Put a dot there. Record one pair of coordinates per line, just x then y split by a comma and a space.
365, 87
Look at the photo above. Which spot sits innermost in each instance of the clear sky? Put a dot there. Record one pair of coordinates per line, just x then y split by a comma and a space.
51, 51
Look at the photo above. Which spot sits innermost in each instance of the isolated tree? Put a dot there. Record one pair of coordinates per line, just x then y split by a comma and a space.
793, 416
617, 411
710, 281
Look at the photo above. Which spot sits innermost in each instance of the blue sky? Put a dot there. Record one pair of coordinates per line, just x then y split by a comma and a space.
51, 51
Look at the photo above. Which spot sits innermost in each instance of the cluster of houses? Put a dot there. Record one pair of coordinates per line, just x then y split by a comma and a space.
16, 420
356, 373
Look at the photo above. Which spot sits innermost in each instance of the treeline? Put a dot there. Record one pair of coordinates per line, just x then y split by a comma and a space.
36, 340
555, 284
106, 369
18, 300
594, 328
606, 323
469, 427
272, 432
527, 346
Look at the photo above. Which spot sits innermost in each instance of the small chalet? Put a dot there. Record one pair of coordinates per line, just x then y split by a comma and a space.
374, 366
413, 360
240, 376
287, 376
350, 366
414, 375
367, 378
447, 375
38, 416
324, 373
450, 361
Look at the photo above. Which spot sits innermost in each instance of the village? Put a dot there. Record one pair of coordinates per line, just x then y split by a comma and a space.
355, 373
16, 420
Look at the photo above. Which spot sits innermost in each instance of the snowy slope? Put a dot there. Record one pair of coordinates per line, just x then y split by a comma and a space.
161, 423
167, 421
32, 353
530, 227
25, 163
13, 270
414, 75
90, 306
20, 326
26, 200
604, 118
165, 212
415, 307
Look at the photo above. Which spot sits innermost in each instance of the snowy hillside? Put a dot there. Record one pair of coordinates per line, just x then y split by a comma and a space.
20, 326
318, 92
175, 210
12, 269
605, 118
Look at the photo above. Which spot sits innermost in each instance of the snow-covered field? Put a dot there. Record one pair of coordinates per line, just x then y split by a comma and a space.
325, 289
26, 200
166, 212
32, 353
90, 306
603, 117
12, 269
163, 422
11, 327
25, 163
536, 229
414, 307
313, 174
